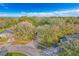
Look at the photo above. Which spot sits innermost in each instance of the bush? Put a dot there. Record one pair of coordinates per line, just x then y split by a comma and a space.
24, 31
47, 35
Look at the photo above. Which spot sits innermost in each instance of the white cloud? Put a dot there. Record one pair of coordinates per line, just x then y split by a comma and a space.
73, 12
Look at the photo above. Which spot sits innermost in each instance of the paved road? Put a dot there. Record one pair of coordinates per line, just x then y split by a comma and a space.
27, 49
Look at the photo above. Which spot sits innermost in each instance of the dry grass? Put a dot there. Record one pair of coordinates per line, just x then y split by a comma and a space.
22, 42
3, 40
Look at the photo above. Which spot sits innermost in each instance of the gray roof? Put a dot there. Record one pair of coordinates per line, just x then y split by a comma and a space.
7, 31
72, 36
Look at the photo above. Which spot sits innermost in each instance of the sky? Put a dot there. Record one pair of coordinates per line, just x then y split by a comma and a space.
39, 9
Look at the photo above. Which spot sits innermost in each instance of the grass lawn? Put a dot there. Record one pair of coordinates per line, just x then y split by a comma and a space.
15, 54
1, 30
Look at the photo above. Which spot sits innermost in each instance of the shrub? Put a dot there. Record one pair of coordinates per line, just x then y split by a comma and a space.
24, 31
48, 34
